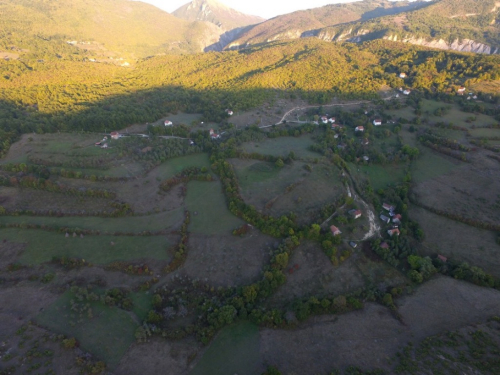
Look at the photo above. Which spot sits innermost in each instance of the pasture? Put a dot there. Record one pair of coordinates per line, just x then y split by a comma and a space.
209, 213
42, 246
283, 146
235, 350
380, 176
107, 335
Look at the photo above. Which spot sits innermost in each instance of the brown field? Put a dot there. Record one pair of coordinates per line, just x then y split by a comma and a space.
368, 338
459, 241
225, 260
470, 190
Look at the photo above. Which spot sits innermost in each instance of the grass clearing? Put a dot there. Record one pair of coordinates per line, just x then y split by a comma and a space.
209, 213
485, 132
282, 146
235, 350
43, 246
430, 165
380, 176
108, 334
142, 304
132, 224
174, 166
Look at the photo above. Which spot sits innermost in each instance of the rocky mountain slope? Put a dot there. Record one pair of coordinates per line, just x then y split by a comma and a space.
230, 23
462, 25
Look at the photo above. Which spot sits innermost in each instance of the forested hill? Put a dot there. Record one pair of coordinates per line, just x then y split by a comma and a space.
74, 95
306, 22
119, 28
465, 25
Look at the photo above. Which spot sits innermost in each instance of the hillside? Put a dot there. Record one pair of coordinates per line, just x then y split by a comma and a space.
305, 23
216, 13
470, 26
108, 27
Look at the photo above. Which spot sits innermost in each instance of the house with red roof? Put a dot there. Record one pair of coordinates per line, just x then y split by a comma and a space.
387, 207
359, 129
168, 123
396, 219
393, 232
355, 213
377, 122
335, 231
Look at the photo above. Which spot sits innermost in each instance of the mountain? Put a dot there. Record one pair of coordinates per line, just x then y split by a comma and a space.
216, 13
305, 23
464, 25
230, 23
108, 27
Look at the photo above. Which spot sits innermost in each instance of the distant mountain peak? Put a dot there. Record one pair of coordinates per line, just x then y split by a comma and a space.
217, 13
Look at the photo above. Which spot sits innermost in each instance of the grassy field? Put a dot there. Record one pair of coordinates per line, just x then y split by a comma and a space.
173, 166
255, 172
485, 132
42, 246
133, 224
107, 335
209, 212
235, 350
430, 164
380, 176
283, 146
142, 304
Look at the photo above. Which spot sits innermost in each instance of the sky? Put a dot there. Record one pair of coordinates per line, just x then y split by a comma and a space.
263, 8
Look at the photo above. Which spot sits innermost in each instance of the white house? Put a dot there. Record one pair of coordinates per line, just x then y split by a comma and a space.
359, 129
461, 90
229, 112
377, 122
407, 92
402, 75
115, 135
331, 120
168, 123
324, 119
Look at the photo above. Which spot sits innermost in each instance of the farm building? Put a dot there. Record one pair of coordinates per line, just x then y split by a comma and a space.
387, 207
355, 213
335, 231
385, 219
393, 232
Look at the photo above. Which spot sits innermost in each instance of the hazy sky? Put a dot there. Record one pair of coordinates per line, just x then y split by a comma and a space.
263, 8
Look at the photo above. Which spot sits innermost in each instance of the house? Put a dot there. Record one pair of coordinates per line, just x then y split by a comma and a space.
168, 123
366, 158
331, 120
353, 244
335, 231
115, 135
335, 126
324, 119
213, 134
387, 207
355, 213
393, 232
461, 90
397, 219
377, 122
407, 92
229, 112
105, 145
336, 136
359, 129
442, 258
402, 75
385, 219
384, 245
474, 97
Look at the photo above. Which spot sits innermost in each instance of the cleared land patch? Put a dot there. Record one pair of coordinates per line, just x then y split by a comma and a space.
209, 212
283, 146
42, 246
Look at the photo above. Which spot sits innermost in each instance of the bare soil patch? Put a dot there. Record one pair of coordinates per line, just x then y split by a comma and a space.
368, 338
463, 242
312, 273
159, 356
226, 260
